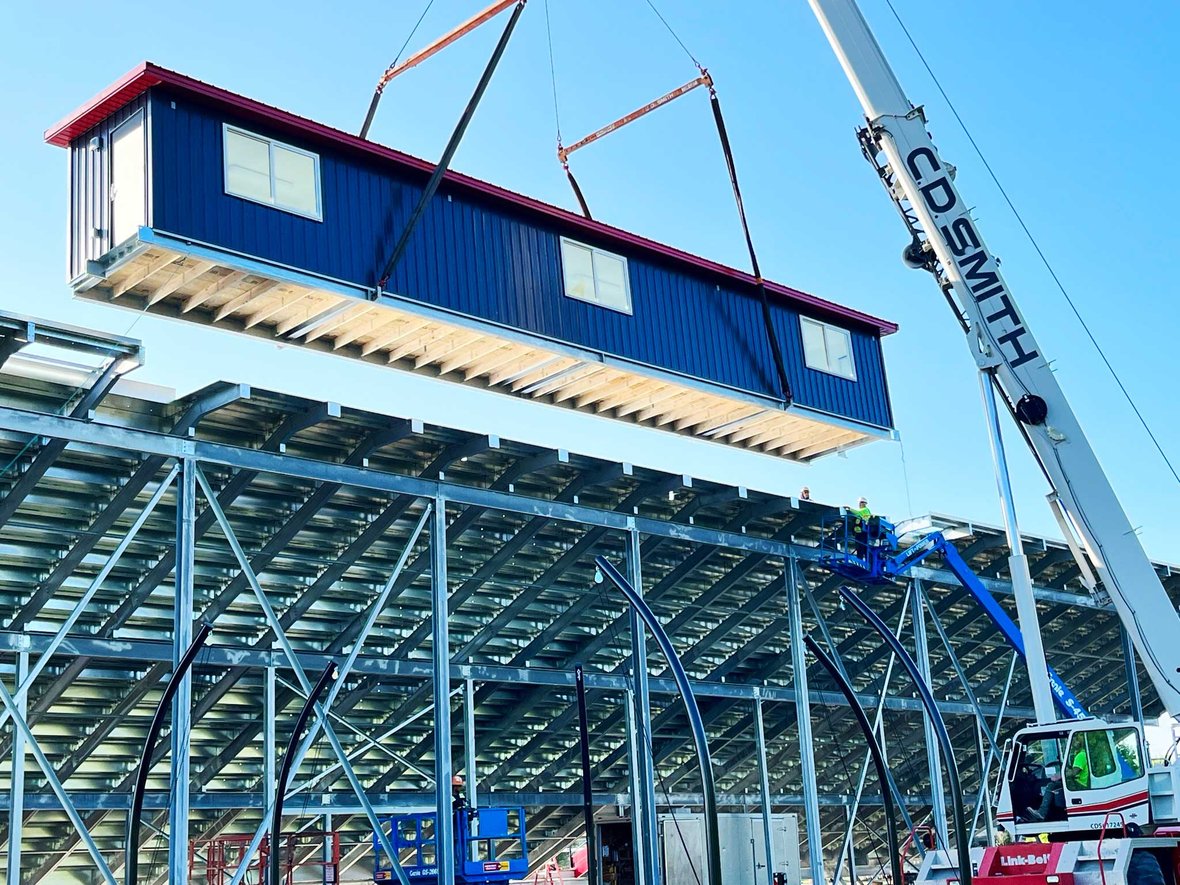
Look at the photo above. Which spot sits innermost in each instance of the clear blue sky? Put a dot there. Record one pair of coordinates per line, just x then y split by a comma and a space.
1074, 105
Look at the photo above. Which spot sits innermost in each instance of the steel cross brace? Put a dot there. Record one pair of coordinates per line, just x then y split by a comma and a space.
59, 791
272, 620
22, 689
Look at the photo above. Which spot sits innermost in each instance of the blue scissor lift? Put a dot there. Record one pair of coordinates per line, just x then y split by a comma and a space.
490, 847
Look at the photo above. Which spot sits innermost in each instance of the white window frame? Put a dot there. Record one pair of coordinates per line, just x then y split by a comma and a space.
827, 329
628, 309
271, 144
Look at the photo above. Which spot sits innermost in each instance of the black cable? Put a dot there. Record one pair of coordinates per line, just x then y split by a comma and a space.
763, 297
1037, 247
646, 737
452, 147
135, 815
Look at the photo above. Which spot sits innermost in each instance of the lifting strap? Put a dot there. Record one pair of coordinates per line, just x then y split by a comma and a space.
563, 154
452, 146
763, 296
574, 184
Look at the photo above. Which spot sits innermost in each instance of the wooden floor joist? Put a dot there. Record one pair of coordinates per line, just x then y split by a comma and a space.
173, 283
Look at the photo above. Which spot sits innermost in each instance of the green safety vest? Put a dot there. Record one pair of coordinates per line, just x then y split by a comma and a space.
1082, 763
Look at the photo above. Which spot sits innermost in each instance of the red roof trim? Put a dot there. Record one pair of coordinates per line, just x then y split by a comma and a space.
147, 75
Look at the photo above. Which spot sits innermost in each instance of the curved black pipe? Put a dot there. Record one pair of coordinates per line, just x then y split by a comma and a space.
135, 815
709, 799
862, 720
276, 820
587, 782
944, 740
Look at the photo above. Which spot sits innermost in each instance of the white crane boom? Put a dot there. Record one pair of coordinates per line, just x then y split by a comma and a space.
947, 242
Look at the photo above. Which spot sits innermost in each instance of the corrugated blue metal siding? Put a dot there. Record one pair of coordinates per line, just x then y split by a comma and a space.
491, 262
90, 195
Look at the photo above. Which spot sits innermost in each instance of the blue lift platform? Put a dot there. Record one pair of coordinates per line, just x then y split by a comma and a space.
490, 847
868, 551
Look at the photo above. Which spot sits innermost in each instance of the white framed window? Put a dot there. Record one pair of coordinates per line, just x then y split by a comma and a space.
827, 348
270, 172
595, 276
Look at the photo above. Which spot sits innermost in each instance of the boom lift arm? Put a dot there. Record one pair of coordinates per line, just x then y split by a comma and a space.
946, 242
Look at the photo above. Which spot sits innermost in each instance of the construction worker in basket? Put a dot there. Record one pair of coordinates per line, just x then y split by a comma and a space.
861, 514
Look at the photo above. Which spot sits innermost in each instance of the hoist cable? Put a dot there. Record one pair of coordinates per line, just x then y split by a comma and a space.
452, 146
552, 73
763, 296
1037, 247
557, 119
377, 93
671, 31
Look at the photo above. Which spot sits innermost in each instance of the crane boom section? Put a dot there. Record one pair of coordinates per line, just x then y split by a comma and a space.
948, 243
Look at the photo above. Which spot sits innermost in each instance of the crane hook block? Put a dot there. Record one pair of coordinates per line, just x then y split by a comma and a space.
1031, 409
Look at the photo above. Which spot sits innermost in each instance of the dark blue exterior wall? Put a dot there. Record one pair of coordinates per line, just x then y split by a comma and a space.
492, 261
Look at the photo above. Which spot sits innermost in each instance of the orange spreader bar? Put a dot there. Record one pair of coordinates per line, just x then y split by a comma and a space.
703, 80
444, 41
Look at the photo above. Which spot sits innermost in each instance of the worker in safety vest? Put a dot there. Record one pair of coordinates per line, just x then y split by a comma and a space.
1078, 777
862, 511
861, 514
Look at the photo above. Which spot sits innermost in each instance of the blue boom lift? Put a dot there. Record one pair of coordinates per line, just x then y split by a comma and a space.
490, 847
868, 551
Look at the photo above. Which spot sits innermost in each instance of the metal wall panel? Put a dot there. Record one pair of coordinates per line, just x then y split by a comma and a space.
490, 262
90, 196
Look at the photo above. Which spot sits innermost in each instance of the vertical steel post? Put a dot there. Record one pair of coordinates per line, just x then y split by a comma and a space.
1132, 676
922, 656
634, 776
440, 638
851, 813
1022, 589
815, 845
764, 782
269, 748
328, 851
469, 760
16, 805
469, 742
182, 637
646, 801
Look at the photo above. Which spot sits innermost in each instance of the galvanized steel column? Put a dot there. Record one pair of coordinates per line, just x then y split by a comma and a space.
440, 638
469, 741
269, 748
469, 756
764, 781
635, 784
645, 802
922, 658
851, 812
182, 637
16, 804
815, 847
1132, 676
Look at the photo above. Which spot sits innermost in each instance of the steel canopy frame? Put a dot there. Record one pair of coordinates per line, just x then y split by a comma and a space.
672, 538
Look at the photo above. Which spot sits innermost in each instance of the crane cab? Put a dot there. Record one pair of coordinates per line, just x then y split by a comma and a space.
1073, 779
